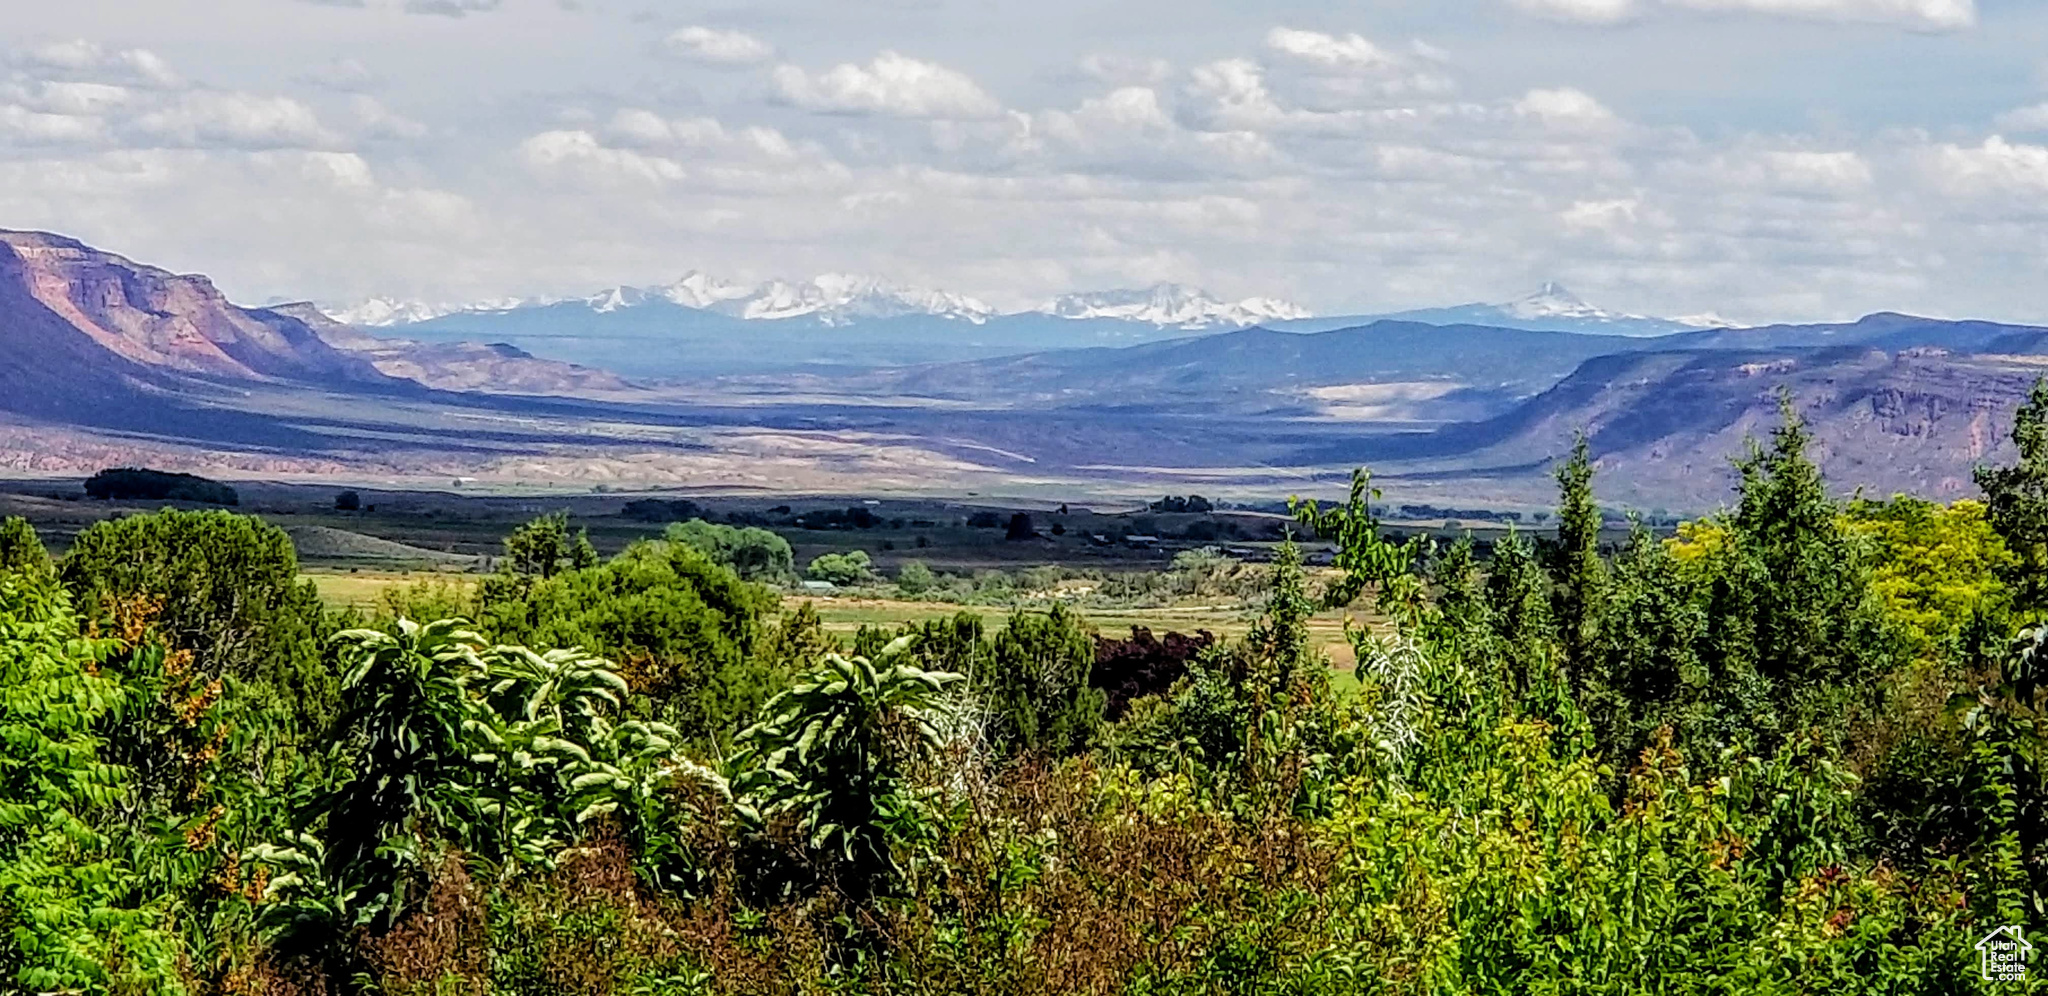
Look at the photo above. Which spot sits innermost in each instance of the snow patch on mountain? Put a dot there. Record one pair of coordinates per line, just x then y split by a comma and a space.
1173, 306
832, 299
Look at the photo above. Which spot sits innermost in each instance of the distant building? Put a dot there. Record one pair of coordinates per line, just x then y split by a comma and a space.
820, 586
1141, 542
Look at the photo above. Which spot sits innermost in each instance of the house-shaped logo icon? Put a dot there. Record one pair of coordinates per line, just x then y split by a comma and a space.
2002, 955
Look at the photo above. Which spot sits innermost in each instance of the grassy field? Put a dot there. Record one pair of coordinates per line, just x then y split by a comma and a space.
843, 616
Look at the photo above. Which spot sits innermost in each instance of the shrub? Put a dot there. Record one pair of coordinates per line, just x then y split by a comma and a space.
844, 569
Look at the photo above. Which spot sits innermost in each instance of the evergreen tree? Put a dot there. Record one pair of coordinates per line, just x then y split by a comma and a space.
1795, 630
1037, 686
2018, 500
1648, 667
1518, 598
1578, 577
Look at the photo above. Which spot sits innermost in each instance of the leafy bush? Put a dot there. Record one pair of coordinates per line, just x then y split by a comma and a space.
753, 553
843, 569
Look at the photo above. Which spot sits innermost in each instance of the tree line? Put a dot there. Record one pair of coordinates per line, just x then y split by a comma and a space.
1796, 748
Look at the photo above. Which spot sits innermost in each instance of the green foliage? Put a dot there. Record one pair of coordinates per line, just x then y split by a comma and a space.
753, 553
1795, 632
1647, 673
914, 578
226, 589
1036, 685
1578, 575
2017, 501
545, 547
1935, 566
833, 754
74, 915
141, 484
1367, 560
21, 551
681, 627
843, 569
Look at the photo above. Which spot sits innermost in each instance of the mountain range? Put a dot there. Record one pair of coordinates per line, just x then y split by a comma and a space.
700, 326
104, 360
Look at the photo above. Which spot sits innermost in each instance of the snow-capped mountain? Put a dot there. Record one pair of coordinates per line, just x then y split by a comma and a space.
832, 299
842, 299
1553, 301
1551, 308
1173, 306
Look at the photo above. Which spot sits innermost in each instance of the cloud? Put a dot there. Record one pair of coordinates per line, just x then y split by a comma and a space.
340, 74
1997, 168
1125, 70
1580, 11
580, 155
374, 120
20, 126
1563, 106
2025, 119
1925, 15
82, 59
451, 8
211, 118
1350, 52
719, 48
1919, 15
894, 85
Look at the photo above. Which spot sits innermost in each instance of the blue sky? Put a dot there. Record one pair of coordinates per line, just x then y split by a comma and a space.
1759, 159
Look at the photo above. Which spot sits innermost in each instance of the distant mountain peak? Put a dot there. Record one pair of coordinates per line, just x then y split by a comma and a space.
830, 299
1173, 306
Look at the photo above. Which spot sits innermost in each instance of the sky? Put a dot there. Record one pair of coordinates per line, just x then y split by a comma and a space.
1761, 160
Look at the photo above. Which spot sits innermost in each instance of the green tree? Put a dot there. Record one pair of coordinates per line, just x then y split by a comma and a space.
225, 589
1577, 574
2017, 497
1036, 684
681, 627
1795, 632
75, 916
1518, 599
843, 569
21, 550
545, 547
1935, 566
914, 578
753, 553
1647, 670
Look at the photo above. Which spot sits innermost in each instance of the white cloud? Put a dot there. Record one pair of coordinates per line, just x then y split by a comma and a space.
1563, 106
2025, 119
23, 127
1819, 172
1920, 15
1580, 11
579, 154
892, 84
204, 118
79, 58
1926, 15
712, 46
1125, 70
1997, 167
378, 121
451, 8
1609, 215
1350, 52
